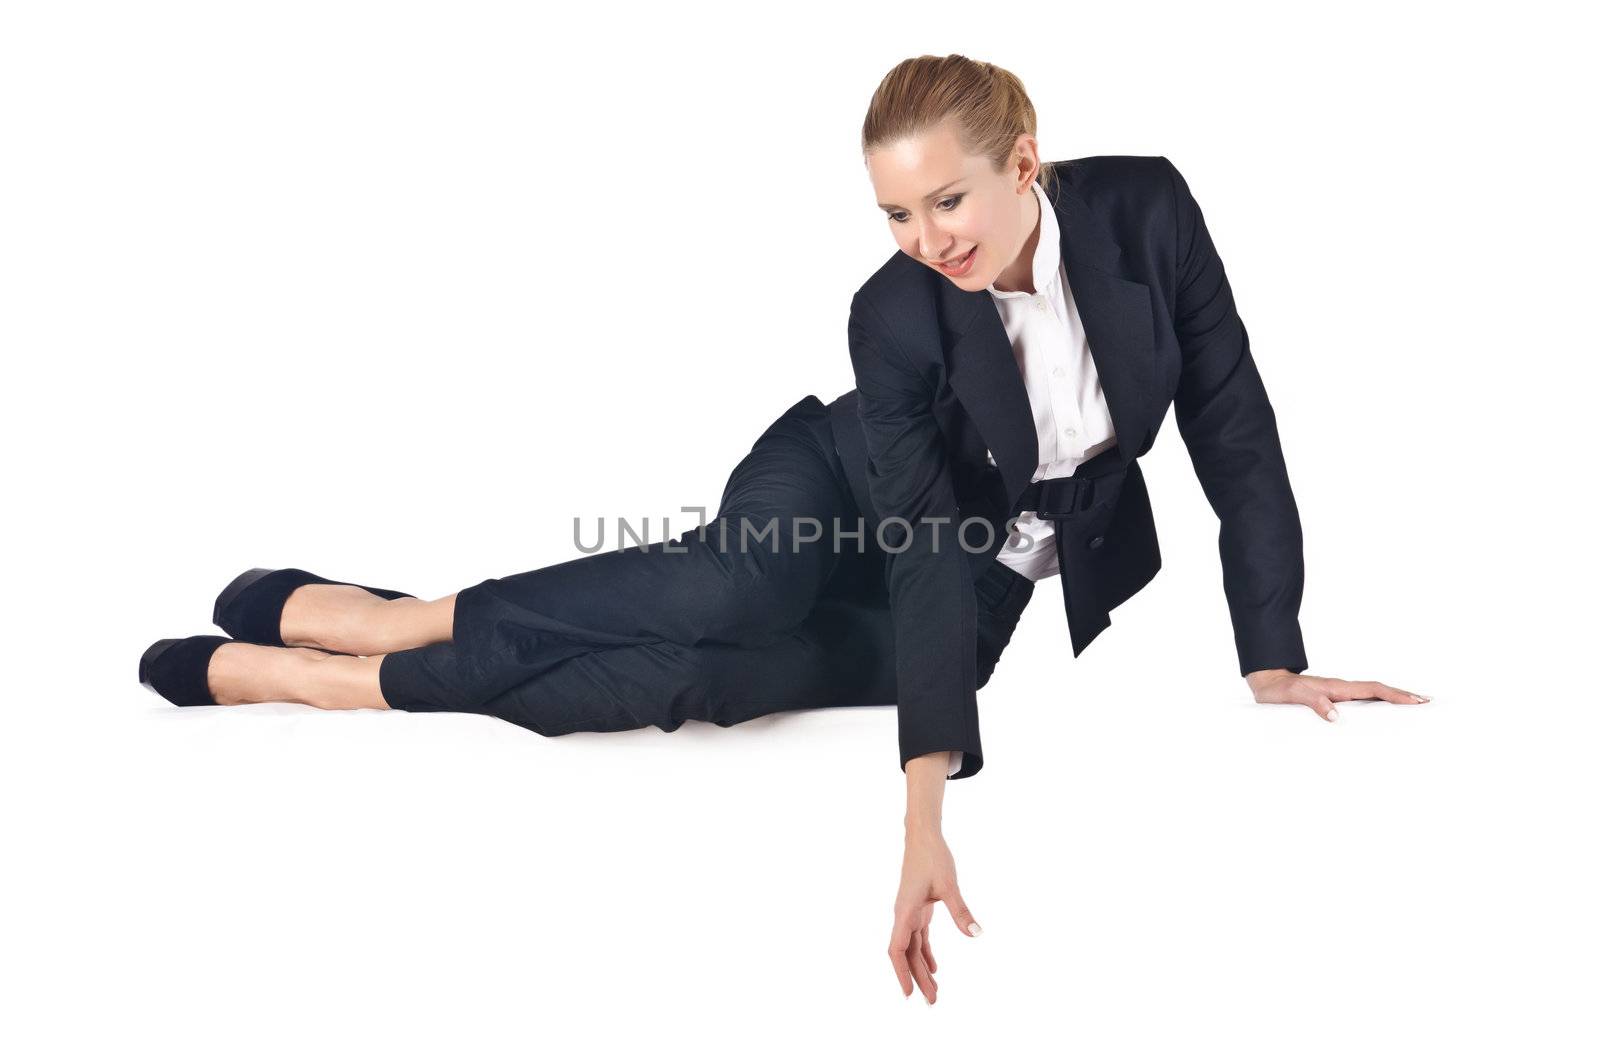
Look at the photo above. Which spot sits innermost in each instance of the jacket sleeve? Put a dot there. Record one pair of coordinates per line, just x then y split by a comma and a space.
1228, 426
931, 592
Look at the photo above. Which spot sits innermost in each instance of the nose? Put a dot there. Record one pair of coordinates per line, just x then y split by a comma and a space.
932, 243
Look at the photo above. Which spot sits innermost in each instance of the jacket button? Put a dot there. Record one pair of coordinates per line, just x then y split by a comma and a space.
1096, 541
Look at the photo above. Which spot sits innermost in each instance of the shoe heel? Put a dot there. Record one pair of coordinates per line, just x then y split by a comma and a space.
147, 661
175, 669
234, 588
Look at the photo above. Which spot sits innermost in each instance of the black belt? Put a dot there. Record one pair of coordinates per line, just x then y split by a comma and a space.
1057, 498
1061, 498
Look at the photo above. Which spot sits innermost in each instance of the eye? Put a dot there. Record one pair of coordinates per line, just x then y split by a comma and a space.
953, 200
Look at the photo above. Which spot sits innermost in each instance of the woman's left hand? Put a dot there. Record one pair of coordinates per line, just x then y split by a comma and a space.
1321, 693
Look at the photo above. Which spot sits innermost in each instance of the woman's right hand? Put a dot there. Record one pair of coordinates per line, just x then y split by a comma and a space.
927, 875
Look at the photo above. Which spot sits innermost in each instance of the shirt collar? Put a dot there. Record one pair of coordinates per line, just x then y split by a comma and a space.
1046, 255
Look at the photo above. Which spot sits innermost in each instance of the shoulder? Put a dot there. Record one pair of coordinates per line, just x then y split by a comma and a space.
900, 300
898, 279
1109, 180
1133, 195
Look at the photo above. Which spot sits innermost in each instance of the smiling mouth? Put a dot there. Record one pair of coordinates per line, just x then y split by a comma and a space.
954, 262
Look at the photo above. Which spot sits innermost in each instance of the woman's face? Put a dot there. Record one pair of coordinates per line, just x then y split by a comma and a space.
952, 212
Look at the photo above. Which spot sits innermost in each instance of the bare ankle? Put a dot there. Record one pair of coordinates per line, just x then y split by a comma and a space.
240, 672
343, 682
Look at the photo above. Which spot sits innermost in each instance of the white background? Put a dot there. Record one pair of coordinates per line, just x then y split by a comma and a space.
393, 292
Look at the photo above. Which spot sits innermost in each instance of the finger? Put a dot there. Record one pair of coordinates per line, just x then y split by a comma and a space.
1357, 690
898, 942
961, 914
1323, 706
919, 969
1374, 690
1340, 690
927, 952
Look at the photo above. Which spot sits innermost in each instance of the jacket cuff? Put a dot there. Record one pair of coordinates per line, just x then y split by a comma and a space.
960, 763
1287, 654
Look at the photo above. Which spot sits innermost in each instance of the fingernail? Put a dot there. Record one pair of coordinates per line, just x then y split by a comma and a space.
1420, 699
975, 930
929, 1000
1333, 715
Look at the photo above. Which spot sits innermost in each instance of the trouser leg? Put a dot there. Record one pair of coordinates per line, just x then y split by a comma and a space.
842, 654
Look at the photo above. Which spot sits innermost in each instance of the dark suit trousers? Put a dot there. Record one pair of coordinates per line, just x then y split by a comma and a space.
719, 631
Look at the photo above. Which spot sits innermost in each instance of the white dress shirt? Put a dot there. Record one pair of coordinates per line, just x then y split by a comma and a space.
1070, 414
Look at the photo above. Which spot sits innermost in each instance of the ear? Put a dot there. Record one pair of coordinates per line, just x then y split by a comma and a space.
1025, 163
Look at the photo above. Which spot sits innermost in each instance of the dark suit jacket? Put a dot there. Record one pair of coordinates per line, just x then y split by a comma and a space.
937, 383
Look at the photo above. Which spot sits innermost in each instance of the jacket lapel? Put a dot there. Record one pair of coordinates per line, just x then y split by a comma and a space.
1117, 320
983, 372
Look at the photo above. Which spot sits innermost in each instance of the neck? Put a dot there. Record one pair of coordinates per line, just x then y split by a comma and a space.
1018, 276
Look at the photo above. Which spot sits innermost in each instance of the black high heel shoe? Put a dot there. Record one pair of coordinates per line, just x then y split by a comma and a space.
175, 669
251, 607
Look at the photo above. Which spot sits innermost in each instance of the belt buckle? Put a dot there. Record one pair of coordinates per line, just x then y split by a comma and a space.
1064, 497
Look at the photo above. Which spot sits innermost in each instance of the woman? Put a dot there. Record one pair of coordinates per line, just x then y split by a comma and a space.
824, 580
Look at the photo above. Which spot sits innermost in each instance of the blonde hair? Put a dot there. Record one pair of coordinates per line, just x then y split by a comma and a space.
990, 107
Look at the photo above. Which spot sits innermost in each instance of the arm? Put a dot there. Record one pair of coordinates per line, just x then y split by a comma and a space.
1232, 436
931, 593
934, 607
1229, 428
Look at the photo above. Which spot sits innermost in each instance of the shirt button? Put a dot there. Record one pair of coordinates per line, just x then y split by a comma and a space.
1070, 432
1059, 371
1038, 303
